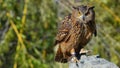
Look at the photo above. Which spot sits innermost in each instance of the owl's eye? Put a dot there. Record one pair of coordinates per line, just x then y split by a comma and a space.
87, 13
79, 13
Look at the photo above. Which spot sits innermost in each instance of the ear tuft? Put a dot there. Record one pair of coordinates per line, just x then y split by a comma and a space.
91, 7
74, 7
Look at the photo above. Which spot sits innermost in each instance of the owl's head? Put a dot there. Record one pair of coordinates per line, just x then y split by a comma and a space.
84, 12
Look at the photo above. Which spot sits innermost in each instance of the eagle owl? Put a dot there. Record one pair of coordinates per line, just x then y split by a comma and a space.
74, 32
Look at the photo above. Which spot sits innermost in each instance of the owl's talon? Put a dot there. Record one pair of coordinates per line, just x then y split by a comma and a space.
83, 51
74, 59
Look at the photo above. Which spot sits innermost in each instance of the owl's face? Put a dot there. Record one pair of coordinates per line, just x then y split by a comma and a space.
85, 12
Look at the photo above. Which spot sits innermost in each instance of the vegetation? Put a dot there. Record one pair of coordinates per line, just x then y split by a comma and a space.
28, 29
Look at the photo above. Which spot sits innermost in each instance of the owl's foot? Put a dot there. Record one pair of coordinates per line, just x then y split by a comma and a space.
83, 51
74, 59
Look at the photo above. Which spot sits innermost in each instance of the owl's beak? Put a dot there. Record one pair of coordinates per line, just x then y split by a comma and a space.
82, 17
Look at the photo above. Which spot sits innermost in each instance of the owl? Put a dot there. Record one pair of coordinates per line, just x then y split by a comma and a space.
74, 32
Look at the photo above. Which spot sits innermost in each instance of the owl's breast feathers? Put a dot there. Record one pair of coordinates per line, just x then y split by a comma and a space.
72, 33
64, 28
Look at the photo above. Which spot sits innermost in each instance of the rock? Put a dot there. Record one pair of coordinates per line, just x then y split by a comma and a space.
92, 62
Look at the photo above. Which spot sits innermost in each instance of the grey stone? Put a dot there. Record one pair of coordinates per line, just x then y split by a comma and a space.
92, 62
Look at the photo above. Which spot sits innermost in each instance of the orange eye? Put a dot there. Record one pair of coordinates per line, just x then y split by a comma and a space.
87, 13
79, 13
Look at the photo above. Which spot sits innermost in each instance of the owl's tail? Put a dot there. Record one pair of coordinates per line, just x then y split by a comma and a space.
59, 56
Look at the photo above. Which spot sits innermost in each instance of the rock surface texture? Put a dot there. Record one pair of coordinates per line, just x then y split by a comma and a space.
92, 62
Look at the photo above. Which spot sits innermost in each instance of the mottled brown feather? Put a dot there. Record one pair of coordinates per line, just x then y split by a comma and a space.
74, 33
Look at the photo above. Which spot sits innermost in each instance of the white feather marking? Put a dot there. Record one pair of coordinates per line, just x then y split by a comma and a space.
56, 48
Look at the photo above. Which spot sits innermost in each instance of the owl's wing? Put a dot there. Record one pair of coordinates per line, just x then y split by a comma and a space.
95, 31
63, 30
92, 24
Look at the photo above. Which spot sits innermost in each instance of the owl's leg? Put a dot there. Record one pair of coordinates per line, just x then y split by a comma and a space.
74, 58
83, 51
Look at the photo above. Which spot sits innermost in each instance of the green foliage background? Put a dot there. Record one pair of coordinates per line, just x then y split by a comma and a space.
28, 29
